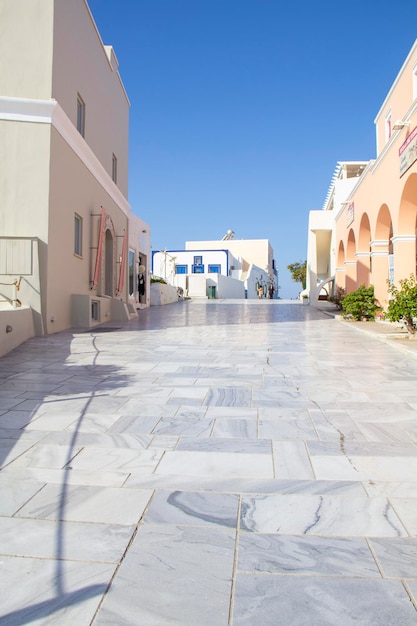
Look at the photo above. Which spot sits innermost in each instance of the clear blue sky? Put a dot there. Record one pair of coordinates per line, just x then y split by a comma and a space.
240, 109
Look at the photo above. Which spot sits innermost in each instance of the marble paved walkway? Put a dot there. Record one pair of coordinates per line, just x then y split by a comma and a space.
210, 463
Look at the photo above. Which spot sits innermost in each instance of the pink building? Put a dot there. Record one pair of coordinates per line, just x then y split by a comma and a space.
370, 235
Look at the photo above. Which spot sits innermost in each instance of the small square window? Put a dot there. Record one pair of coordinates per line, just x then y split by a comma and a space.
198, 260
114, 168
80, 115
78, 235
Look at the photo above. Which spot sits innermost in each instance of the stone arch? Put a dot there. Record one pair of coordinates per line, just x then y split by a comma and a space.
405, 235
363, 253
382, 257
407, 214
383, 224
350, 262
340, 273
108, 259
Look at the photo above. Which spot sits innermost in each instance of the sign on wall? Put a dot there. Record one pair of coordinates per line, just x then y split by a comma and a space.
408, 152
350, 214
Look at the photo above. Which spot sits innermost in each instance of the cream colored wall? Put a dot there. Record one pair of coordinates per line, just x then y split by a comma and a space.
74, 190
256, 251
24, 179
82, 65
26, 48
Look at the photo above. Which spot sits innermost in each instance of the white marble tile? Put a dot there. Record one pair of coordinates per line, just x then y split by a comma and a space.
196, 509
320, 515
50, 421
400, 469
116, 459
77, 503
134, 425
306, 555
396, 557
187, 410
406, 509
71, 477
72, 598
184, 426
136, 408
216, 464
320, 601
17, 419
335, 425
389, 431
291, 460
287, 428
46, 456
359, 448
247, 446
184, 575
164, 442
99, 440
388, 489
104, 543
11, 498
235, 428
231, 412
228, 397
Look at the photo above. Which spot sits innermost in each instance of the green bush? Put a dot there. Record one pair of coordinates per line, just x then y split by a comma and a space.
403, 305
361, 304
158, 279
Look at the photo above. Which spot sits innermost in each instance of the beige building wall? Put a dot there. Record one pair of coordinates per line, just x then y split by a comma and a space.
256, 251
83, 65
26, 48
51, 53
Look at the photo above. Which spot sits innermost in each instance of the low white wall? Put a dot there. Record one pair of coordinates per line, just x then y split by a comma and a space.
226, 287
163, 294
16, 327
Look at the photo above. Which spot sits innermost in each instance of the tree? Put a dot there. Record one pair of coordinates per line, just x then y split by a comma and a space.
298, 272
403, 305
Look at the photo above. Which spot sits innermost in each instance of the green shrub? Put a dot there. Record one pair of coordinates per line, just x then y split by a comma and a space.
361, 304
403, 305
158, 279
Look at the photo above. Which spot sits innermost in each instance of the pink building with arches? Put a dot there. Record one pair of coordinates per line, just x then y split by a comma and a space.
366, 233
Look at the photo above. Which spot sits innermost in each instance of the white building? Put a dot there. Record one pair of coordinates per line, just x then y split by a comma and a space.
68, 237
226, 268
321, 255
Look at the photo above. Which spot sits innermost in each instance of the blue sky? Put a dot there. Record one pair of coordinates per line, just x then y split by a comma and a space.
240, 109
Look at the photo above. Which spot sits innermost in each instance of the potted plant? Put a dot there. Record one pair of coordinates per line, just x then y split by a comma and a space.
402, 306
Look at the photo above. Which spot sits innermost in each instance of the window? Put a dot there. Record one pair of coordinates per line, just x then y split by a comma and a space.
114, 168
80, 115
78, 235
214, 269
181, 269
198, 269
198, 260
